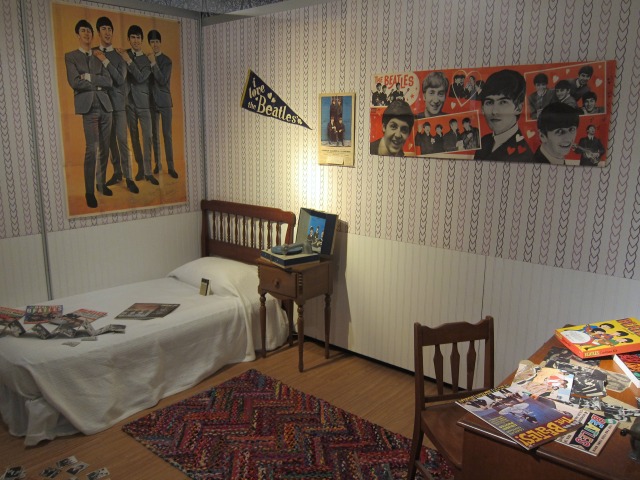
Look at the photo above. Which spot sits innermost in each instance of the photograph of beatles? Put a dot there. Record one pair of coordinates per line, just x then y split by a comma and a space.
121, 118
556, 114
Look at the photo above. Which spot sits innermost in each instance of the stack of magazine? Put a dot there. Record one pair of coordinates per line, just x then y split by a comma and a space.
69, 325
562, 399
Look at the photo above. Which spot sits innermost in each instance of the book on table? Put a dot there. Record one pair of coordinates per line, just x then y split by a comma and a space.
290, 260
601, 339
530, 422
629, 363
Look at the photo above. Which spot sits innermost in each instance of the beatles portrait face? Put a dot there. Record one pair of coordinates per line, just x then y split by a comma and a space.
500, 112
135, 41
395, 133
559, 141
434, 98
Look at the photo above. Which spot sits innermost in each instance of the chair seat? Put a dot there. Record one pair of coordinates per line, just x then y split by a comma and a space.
440, 422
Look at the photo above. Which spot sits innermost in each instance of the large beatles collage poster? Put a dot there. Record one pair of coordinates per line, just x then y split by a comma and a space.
120, 96
551, 114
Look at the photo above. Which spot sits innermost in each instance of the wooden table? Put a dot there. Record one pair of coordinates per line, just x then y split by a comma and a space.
296, 284
488, 454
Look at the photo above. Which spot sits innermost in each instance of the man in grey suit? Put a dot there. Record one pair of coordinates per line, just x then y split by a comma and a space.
138, 105
161, 104
117, 68
90, 82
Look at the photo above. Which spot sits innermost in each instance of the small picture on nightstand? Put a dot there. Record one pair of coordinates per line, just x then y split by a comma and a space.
316, 230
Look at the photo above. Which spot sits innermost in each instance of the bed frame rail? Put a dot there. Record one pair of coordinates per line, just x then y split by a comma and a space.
239, 231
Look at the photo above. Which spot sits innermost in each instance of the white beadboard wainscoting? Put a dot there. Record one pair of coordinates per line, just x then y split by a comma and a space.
22, 271
101, 256
382, 287
104, 256
530, 301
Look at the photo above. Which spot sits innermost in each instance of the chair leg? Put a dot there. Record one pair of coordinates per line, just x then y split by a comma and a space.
416, 446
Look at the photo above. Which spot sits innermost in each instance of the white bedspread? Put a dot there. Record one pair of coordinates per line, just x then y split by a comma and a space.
48, 389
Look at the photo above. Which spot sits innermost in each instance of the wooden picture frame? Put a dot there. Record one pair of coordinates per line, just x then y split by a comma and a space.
317, 231
336, 129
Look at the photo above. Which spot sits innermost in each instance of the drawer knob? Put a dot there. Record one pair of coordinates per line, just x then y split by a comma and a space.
276, 283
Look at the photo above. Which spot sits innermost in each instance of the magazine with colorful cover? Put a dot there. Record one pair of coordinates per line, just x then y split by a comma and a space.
547, 382
601, 338
629, 363
530, 422
78, 317
592, 436
145, 311
42, 313
8, 315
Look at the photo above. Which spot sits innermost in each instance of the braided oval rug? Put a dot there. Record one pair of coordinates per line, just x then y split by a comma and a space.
255, 427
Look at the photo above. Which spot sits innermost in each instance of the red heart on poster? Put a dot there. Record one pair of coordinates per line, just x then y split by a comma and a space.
511, 150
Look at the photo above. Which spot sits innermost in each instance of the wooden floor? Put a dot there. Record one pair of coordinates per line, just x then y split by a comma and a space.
373, 391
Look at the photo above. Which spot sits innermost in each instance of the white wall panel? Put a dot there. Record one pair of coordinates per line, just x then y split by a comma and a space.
22, 276
530, 301
382, 287
102, 256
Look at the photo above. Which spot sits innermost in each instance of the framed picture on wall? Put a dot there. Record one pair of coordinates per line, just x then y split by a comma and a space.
317, 231
336, 129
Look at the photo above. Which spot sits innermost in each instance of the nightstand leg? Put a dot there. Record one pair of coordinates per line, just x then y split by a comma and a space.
327, 323
288, 306
300, 337
263, 323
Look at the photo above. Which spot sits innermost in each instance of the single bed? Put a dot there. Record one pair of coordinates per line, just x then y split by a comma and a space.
48, 389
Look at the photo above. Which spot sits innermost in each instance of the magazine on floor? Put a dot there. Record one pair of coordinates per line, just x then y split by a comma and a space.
146, 311
528, 421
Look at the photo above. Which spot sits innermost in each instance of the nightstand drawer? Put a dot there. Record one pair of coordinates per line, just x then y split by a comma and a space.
278, 281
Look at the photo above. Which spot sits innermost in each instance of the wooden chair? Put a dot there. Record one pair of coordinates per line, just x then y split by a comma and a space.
436, 415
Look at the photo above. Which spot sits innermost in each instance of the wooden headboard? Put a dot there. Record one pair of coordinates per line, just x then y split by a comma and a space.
239, 231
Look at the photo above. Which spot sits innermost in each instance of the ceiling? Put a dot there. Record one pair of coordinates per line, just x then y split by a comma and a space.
216, 11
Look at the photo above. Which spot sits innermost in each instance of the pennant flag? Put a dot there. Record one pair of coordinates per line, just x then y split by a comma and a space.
259, 98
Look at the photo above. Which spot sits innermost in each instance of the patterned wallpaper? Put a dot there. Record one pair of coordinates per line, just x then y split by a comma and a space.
30, 131
575, 218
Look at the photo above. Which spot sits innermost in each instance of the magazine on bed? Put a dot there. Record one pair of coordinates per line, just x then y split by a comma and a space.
8, 315
527, 420
42, 313
78, 317
146, 311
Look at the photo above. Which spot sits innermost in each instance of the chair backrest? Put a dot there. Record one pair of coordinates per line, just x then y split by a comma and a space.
453, 334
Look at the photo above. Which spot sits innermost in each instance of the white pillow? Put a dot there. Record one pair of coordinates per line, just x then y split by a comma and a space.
226, 277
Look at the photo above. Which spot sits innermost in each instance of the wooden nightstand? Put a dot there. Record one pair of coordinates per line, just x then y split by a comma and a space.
296, 284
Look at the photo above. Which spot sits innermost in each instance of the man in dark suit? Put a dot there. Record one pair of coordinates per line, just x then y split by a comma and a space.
502, 100
90, 82
470, 135
138, 105
452, 137
590, 148
117, 68
161, 103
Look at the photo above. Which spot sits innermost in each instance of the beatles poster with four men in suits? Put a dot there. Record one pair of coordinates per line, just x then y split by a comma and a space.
119, 84
551, 114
